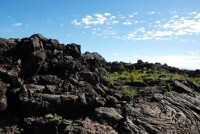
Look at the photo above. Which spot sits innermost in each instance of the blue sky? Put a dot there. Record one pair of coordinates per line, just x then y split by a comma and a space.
165, 31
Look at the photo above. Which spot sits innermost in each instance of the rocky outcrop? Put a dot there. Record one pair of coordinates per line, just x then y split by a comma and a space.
48, 87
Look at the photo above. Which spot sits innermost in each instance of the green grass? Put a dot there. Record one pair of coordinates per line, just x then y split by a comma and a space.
113, 77
129, 92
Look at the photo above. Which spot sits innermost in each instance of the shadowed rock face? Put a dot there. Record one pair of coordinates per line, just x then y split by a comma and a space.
48, 87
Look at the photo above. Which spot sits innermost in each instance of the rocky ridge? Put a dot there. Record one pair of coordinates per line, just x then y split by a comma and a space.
48, 87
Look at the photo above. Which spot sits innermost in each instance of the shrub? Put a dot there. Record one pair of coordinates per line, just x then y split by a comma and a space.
57, 117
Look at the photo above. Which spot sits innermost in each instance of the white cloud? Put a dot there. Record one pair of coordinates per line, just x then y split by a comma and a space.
175, 16
107, 14
162, 29
112, 17
17, 24
180, 32
86, 27
135, 13
142, 29
75, 22
122, 16
151, 13
192, 13
184, 25
97, 19
100, 19
149, 32
115, 22
127, 23
131, 35
131, 16
87, 20
158, 22
162, 33
136, 22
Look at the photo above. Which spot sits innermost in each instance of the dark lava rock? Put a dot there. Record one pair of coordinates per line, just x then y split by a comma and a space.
74, 50
44, 125
108, 115
27, 46
48, 87
34, 63
3, 99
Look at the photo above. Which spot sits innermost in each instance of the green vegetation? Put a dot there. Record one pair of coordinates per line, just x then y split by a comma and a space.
134, 76
113, 77
148, 75
169, 87
57, 117
197, 80
129, 92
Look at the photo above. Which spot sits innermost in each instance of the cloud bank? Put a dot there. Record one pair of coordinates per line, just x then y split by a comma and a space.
132, 27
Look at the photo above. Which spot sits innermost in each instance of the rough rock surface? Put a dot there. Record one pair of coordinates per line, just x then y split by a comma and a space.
48, 87
3, 99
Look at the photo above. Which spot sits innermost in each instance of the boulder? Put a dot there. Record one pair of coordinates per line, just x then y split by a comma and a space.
33, 63
181, 88
108, 115
28, 46
73, 50
94, 60
89, 77
41, 125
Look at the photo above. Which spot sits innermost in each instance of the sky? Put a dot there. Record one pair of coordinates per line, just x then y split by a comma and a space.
165, 31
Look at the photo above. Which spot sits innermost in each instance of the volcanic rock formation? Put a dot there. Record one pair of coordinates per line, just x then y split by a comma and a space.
48, 87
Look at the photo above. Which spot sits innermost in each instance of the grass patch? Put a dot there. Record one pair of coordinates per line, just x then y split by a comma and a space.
129, 92
148, 75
